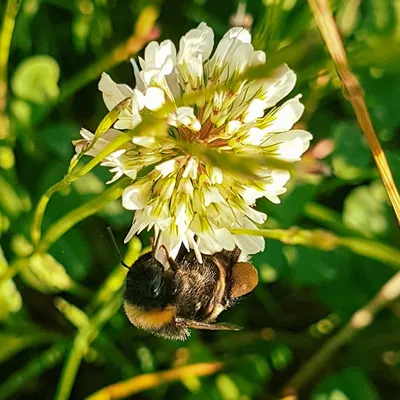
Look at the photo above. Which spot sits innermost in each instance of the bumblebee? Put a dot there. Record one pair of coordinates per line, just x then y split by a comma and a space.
189, 294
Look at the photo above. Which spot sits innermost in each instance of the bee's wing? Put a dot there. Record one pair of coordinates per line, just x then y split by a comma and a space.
244, 279
218, 326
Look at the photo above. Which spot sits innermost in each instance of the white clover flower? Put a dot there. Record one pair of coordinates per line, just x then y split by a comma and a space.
185, 200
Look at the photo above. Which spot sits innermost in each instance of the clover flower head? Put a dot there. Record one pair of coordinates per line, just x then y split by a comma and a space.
184, 199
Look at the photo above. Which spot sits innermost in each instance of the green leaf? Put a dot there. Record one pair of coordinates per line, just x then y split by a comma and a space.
349, 384
271, 263
36, 79
292, 203
72, 250
382, 100
313, 266
366, 210
357, 280
227, 387
13, 343
10, 200
351, 157
58, 138
45, 274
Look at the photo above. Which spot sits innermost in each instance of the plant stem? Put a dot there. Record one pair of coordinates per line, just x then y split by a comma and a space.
326, 240
360, 320
108, 296
70, 219
81, 344
42, 204
6, 33
139, 383
329, 218
354, 93
34, 368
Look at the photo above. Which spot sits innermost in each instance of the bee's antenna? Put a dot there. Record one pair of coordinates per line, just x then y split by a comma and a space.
111, 233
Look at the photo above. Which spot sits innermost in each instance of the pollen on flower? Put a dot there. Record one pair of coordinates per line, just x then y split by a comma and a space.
185, 200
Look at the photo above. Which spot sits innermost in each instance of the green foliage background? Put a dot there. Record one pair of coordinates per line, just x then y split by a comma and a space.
53, 305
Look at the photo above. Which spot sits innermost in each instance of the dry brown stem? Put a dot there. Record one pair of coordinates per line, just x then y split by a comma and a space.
139, 383
354, 93
359, 320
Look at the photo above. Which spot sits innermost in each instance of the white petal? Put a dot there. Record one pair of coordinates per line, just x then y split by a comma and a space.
214, 242
232, 127
86, 134
238, 33
254, 137
167, 167
249, 244
113, 94
139, 81
254, 111
131, 233
166, 54
279, 85
154, 98
280, 177
150, 54
212, 195
286, 116
191, 169
257, 58
292, 144
196, 43
184, 116
160, 58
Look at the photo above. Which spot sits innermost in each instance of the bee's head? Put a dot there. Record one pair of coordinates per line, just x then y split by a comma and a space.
147, 284
149, 292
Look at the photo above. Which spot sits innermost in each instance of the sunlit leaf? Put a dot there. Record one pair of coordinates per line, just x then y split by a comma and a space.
45, 274
366, 209
10, 299
36, 79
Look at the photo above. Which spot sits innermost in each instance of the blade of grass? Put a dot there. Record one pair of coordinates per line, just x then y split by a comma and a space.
88, 331
6, 33
139, 383
61, 226
354, 93
325, 240
81, 344
34, 368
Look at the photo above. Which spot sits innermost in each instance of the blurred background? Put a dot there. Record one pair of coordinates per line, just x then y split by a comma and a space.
66, 300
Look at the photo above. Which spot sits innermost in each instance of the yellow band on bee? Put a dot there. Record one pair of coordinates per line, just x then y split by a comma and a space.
150, 319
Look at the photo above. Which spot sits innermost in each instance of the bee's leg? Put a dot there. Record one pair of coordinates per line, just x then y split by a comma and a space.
171, 261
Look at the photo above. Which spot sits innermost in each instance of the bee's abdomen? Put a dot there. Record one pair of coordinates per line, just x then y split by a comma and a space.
202, 290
